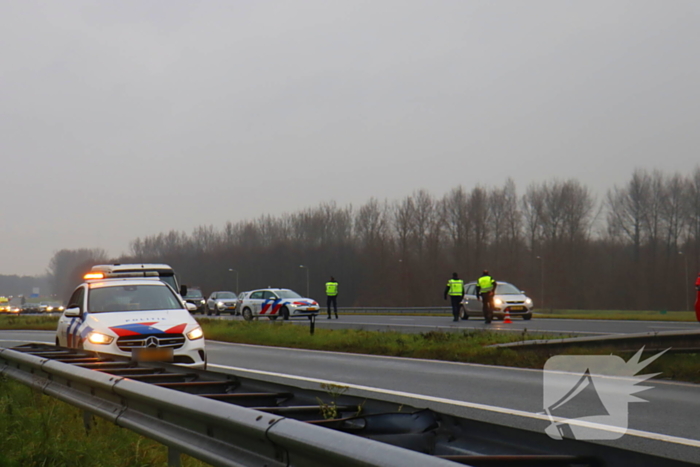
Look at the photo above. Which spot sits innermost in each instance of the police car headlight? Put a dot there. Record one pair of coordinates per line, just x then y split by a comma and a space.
497, 301
99, 338
195, 334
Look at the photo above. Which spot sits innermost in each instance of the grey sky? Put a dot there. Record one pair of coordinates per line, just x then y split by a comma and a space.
121, 119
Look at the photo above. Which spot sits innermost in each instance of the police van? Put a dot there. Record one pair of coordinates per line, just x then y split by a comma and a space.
165, 273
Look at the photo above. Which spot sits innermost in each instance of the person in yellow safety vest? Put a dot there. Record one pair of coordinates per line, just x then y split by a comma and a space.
332, 296
455, 288
485, 290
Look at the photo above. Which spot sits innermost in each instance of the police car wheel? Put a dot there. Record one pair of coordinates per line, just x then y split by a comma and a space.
247, 314
284, 312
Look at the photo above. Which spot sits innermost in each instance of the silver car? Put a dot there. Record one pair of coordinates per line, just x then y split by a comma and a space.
222, 301
508, 297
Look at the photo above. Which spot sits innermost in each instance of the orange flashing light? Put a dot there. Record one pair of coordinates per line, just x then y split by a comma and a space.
93, 275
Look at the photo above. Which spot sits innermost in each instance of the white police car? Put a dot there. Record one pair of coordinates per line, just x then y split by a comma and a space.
142, 318
274, 303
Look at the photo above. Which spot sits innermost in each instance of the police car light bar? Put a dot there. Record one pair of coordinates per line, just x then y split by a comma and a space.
109, 275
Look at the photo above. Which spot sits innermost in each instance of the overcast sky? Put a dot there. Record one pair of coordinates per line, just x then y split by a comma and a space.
122, 119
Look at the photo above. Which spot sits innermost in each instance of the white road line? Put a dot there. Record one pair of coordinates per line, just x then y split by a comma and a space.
489, 408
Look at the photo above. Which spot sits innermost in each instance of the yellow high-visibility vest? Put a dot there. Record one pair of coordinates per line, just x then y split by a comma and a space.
485, 283
456, 286
331, 289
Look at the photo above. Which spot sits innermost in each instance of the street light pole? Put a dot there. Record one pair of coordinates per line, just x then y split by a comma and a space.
307, 279
541, 282
686, 279
237, 289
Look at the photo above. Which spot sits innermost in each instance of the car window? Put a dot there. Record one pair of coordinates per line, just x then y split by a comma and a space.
269, 295
504, 288
227, 295
288, 294
132, 298
257, 295
77, 298
194, 294
471, 289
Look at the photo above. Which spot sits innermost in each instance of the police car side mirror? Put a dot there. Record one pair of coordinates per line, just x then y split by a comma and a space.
73, 312
190, 306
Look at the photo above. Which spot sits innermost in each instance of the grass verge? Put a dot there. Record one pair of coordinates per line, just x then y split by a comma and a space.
663, 315
28, 323
40, 431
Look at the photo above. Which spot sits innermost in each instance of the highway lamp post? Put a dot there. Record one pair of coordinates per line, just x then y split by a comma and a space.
686, 279
237, 289
307, 279
541, 282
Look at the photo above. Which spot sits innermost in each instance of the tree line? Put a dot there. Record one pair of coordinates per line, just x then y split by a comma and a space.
636, 247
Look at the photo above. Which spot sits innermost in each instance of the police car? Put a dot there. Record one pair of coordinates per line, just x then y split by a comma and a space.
274, 303
137, 317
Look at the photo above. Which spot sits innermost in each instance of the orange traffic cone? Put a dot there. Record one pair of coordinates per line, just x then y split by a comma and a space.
506, 319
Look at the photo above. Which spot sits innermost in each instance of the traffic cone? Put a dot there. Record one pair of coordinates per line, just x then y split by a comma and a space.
506, 319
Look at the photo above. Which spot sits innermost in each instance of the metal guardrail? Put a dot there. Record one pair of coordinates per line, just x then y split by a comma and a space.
231, 421
220, 434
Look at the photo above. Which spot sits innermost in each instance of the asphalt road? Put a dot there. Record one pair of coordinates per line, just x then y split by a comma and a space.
666, 425
573, 327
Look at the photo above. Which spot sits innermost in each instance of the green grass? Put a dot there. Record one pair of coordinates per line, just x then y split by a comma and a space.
40, 431
29, 323
465, 346
660, 315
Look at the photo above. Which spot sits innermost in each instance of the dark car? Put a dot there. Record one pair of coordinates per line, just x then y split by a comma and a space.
31, 308
194, 296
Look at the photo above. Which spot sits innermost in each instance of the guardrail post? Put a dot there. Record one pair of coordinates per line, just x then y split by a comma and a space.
87, 421
312, 324
173, 457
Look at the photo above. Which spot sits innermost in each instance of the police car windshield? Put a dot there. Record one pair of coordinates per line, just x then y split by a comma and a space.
170, 280
506, 289
287, 294
132, 298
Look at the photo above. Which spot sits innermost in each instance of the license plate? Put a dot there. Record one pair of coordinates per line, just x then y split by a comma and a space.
152, 355
517, 308
312, 308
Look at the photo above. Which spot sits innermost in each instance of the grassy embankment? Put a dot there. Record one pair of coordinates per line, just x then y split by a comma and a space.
663, 315
40, 431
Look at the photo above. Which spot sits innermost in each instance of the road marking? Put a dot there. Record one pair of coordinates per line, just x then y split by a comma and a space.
489, 408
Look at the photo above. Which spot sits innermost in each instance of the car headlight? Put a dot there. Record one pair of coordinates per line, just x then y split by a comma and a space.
195, 334
528, 301
220, 304
497, 301
99, 338
49, 308
201, 302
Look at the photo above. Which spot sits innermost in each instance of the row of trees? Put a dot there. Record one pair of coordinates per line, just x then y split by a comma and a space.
637, 247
